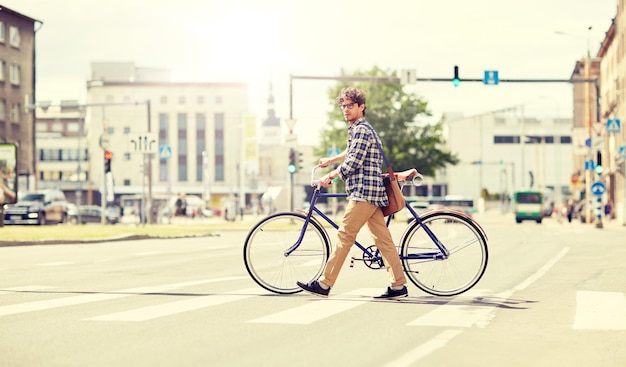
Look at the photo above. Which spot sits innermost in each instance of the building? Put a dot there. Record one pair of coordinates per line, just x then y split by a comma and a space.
167, 137
63, 151
611, 146
17, 90
502, 152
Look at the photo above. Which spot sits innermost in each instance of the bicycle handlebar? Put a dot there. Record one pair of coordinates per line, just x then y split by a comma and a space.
416, 178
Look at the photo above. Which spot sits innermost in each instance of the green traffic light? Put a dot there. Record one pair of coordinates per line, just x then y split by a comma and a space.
291, 168
599, 169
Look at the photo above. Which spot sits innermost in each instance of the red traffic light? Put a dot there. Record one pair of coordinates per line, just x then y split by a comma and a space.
108, 155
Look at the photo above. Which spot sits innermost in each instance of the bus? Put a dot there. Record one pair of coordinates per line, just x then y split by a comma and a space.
528, 206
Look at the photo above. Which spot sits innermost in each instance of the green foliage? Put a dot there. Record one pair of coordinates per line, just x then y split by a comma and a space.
407, 141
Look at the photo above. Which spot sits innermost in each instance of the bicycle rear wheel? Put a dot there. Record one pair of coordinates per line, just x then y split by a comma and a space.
431, 270
265, 258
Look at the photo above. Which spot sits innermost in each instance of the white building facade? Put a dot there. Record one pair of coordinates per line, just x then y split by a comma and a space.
502, 153
181, 121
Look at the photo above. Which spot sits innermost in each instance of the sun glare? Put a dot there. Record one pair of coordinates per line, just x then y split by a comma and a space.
238, 44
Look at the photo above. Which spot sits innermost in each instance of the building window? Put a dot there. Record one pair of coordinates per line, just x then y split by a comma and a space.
200, 100
181, 100
219, 147
2, 32
218, 100
127, 156
200, 144
182, 147
126, 130
72, 127
2, 63
110, 130
14, 114
14, 36
57, 126
507, 139
3, 110
14, 74
126, 182
565, 139
163, 99
163, 141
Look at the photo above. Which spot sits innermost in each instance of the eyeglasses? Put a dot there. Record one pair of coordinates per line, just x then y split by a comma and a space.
347, 106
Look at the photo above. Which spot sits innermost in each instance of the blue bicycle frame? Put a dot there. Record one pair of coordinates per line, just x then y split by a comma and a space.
442, 254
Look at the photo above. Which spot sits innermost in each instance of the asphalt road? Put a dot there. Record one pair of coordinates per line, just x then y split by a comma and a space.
553, 295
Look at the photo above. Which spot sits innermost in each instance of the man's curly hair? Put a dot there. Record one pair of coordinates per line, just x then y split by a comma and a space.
353, 94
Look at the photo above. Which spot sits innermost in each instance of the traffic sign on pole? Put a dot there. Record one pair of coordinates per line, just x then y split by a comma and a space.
491, 77
613, 126
598, 188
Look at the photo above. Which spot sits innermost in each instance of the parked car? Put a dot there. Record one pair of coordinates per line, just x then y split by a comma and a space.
92, 214
38, 207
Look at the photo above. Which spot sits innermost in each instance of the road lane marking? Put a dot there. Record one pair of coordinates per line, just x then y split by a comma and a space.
171, 308
55, 263
600, 311
100, 296
438, 342
317, 310
461, 315
541, 272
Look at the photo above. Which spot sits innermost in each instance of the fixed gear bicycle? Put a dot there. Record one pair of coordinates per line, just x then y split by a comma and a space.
443, 252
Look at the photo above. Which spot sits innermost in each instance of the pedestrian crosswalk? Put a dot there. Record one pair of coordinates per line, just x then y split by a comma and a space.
476, 308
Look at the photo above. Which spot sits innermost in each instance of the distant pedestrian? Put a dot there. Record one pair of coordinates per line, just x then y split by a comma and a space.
181, 205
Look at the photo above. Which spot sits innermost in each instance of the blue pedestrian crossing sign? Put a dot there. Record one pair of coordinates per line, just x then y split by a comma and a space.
332, 152
622, 151
491, 77
165, 151
598, 188
613, 126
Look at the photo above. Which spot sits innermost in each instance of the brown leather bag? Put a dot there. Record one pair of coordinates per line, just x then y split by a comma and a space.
394, 194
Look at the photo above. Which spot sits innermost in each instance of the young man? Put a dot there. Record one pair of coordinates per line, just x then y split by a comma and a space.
361, 170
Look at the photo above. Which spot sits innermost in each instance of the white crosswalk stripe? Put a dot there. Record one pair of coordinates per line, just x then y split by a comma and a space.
96, 297
475, 308
460, 315
600, 311
171, 308
315, 311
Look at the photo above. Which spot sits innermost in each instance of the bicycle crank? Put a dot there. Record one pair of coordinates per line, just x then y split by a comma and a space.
371, 259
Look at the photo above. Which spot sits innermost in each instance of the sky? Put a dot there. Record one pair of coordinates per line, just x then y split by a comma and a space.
265, 41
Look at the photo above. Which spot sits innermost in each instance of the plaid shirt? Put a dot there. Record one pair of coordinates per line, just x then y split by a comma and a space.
361, 169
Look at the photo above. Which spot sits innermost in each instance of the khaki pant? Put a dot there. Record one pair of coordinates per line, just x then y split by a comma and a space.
359, 213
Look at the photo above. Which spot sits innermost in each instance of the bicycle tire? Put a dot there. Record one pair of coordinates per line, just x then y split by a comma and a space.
265, 246
437, 274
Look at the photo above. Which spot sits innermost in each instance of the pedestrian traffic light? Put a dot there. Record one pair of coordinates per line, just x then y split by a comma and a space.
299, 160
292, 167
599, 167
107, 161
456, 80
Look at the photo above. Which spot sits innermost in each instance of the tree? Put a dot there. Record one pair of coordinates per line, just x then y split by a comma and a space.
399, 119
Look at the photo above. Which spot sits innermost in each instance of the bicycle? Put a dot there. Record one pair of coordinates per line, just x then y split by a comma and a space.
443, 252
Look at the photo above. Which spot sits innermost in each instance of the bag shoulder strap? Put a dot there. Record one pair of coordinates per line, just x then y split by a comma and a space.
376, 139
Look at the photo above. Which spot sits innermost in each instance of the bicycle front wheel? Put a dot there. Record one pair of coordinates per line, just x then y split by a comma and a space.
264, 252
434, 271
